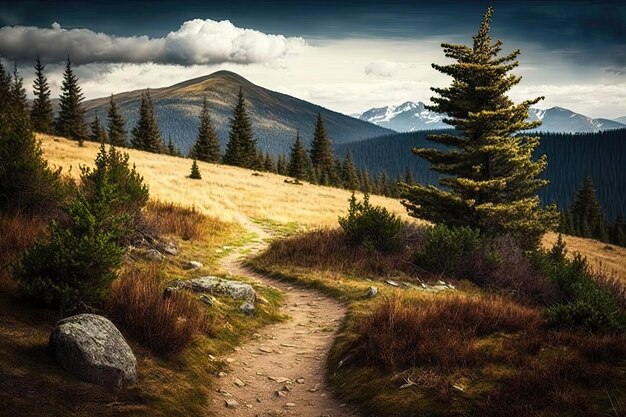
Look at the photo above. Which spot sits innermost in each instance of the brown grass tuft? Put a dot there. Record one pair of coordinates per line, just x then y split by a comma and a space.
170, 218
330, 249
442, 331
17, 234
162, 324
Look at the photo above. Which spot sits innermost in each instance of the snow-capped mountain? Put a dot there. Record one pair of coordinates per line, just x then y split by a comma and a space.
558, 119
411, 116
621, 120
406, 117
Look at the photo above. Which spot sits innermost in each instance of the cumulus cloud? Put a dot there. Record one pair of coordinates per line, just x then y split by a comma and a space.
196, 42
386, 68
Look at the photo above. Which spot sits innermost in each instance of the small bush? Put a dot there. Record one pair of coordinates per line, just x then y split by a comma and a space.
128, 187
585, 303
162, 324
77, 264
195, 171
501, 264
371, 226
446, 250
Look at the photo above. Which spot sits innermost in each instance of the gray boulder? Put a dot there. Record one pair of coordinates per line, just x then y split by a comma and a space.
169, 248
192, 265
247, 308
91, 348
235, 289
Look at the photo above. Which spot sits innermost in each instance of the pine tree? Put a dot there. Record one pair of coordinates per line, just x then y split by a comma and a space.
241, 147
489, 177
350, 176
408, 177
5, 88
207, 146
71, 119
171, 148
195, 171
268, 163
27, 184
298, 161
116, 126
281, 165
18, 93
146, 135
589, 221
322, 158
618, 231
366, 181
41, 111
98, 134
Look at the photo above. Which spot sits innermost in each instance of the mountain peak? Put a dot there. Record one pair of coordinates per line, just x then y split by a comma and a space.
411, 116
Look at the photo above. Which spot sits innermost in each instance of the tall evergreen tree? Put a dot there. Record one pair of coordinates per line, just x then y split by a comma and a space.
116, 127
241, 147
146, 135
618, 231
207, 146
268, 163
5, 88
27, 184
298, 161
350, 176
282, 166
41, 112
408, 177
489, 176
97, 134
366, 181
171, 148
588, 219
18, 93
71, 119
322, 157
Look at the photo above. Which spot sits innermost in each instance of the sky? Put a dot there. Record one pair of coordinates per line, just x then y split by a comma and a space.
346, 56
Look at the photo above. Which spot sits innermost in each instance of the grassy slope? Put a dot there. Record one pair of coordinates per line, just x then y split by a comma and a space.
227, 192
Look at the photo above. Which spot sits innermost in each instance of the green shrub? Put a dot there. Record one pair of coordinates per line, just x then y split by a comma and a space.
371, 226
77, 263
195, 171
131, 194
447, 250
584, 303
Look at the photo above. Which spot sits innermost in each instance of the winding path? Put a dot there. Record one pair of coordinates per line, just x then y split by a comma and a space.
282, 368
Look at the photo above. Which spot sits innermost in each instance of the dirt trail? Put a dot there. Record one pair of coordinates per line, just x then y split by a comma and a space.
283, 366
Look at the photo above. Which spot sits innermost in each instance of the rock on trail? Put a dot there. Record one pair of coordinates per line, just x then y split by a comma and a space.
280, 372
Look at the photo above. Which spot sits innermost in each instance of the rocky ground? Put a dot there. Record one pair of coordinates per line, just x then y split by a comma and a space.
280, 371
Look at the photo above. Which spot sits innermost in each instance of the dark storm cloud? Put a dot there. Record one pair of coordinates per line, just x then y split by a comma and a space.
585, 33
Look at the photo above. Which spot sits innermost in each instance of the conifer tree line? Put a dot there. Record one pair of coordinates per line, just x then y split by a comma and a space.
317, 165
586, 218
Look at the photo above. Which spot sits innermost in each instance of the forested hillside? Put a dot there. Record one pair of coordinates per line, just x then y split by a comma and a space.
571, 158
275, 116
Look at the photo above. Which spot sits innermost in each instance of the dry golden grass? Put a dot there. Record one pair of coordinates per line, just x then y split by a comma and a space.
163, 324
228, 192
602, 257
225, 192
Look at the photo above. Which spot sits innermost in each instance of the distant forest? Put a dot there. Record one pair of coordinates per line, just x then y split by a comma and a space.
571, 158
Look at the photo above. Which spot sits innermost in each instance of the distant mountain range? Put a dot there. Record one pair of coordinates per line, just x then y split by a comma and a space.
275, 116
412, 117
